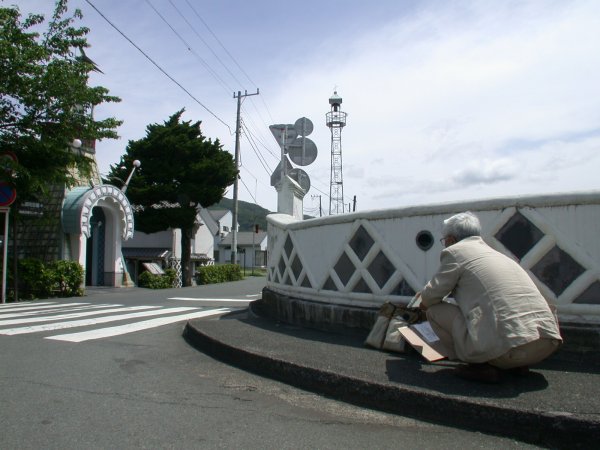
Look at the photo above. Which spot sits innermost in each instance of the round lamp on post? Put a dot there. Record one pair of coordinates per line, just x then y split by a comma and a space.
136, 163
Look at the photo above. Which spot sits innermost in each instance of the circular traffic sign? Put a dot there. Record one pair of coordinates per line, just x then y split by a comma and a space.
303, 126
302, 151
300, 177
8, 194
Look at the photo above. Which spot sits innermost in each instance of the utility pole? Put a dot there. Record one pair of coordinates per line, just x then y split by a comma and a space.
354, 204
320, 207
234, 231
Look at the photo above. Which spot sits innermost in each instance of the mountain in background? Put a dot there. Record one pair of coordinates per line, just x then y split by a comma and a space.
248, 213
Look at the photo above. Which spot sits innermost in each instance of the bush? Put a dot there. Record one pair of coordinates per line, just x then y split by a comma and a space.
56, 279
67, 278
151, 281
218, 274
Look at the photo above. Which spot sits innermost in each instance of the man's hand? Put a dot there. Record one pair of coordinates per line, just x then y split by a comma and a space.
422, 307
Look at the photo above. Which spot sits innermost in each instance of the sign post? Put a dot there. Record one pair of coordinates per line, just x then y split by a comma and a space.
6, 212
8, 194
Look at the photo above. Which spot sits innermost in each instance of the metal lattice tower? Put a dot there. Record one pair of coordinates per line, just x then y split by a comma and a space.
336, 120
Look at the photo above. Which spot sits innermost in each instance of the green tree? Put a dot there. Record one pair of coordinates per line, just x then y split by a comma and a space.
45, 100
181, 170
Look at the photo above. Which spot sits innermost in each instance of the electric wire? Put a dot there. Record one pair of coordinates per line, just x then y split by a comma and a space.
253, 198
249, 116
191, 50
259, 155
205, 43
220, 43
157, 66
230, 56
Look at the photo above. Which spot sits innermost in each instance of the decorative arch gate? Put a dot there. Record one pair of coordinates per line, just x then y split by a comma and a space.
96, 220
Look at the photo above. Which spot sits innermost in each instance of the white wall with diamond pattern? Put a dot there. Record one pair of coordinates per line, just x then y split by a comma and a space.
366, 258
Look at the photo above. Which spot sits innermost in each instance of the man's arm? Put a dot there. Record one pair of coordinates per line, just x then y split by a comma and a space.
443, 282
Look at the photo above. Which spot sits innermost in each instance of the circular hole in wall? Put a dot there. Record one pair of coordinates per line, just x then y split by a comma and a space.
424, 240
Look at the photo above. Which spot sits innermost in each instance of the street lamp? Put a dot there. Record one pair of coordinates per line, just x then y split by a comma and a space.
76, 143
136, 163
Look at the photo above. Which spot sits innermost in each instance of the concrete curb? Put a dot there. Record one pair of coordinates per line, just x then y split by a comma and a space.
554, 430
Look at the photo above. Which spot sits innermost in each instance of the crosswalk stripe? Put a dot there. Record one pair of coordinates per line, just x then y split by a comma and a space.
22, 304
34, 308
137, 326
89, 322
72, 316
195, 299
55, 310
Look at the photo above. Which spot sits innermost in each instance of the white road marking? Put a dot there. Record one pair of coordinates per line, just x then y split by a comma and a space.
32, 308
137, 326
195, 299
19, 304
72, 316
55, 310
89, 322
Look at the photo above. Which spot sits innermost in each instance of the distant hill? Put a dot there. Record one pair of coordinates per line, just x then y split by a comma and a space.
248, 213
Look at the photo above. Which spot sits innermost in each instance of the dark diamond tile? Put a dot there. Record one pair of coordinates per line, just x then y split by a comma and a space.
381, 269
344, 268
557, 270
287, 280
281, 266
362, 287
296, 267
519, 235
306, 282
361, 243
288, 246
403, 288
591, 295
330, 285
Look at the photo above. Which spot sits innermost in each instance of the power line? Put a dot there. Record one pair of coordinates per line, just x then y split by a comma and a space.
205, 43
256, 128
259, 155
253, 198
157, 66
190, 49
221, 44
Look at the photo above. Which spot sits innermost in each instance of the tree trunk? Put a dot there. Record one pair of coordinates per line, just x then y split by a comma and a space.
186, 250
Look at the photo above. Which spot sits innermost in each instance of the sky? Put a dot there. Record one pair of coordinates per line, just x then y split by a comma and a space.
446, 100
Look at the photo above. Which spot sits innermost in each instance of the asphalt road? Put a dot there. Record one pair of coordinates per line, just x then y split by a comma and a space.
139, 385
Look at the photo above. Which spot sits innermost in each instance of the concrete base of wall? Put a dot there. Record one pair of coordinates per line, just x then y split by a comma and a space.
583, 339
307, 313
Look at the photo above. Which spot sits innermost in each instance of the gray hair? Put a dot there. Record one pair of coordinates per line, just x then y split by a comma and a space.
462, 225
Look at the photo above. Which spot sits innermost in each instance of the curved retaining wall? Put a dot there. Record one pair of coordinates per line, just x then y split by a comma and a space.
354, 262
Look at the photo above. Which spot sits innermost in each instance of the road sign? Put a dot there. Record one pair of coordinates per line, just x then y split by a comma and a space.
276, 176
279, 130
300, 177
8, 194
302, 151
303, 126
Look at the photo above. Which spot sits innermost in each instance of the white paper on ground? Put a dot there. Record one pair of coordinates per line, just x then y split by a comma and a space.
425, 330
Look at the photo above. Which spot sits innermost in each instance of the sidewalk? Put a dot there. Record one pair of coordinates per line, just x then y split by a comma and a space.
556, 405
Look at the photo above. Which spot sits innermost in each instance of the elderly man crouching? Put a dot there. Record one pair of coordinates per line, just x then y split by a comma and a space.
500, 321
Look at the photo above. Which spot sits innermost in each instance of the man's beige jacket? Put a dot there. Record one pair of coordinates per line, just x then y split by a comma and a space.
501, 306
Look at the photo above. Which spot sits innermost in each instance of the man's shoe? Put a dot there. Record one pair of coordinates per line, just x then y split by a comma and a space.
483, 373
519, 371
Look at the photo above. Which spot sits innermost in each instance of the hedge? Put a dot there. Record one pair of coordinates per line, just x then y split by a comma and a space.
218, 274
151, 281
55, 279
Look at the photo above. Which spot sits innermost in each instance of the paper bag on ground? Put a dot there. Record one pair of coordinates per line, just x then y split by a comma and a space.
424, 340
